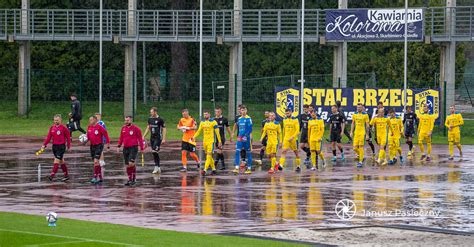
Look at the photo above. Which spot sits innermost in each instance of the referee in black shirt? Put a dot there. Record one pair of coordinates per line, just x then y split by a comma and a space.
75, 116
222, 124
337, 123
341, 111
157, 128
304, 119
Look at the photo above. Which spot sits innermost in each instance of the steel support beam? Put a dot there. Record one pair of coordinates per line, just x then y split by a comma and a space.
235, 63
448, 62
24, 63
339, 70
130, 73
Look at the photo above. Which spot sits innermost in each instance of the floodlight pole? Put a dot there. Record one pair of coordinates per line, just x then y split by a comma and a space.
302, 59
144, 63
200, 58
405, 64
213, 95
100, 58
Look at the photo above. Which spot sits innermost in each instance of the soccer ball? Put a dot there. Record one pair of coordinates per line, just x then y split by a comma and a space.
52, 217
83, 138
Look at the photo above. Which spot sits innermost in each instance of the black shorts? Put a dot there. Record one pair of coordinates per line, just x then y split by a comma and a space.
304, 136
155, 143
96, 150
375, 136
409, 133
74, 125
186, 146
264, 141
130, 154
370, 136
59, 150
335, 136
217, 144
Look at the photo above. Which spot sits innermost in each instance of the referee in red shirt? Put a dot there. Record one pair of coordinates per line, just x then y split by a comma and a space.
131, 139
61, 140
95, 135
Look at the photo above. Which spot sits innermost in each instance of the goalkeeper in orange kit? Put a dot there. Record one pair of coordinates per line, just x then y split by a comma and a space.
187, 125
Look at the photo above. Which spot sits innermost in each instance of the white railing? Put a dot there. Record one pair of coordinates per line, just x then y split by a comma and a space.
253, 25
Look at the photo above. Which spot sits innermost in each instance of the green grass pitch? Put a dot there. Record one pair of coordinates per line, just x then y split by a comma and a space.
29, 230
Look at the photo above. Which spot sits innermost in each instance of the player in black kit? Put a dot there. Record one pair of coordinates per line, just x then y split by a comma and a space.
75, 116
264, 141
337, 122
369, 140
304, 119
222, 124
410, 122
156, 126
346, 131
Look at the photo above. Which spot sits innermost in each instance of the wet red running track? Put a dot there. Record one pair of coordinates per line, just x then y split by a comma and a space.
435, 194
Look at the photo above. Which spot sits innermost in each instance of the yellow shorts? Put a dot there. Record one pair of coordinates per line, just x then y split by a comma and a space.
315, 146
454, 137
359, 139
208, 147
293, 145
382, 140
271, 148
424, 137
394, 141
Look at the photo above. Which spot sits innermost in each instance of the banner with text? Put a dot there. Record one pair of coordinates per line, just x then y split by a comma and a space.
323, 99
373, 25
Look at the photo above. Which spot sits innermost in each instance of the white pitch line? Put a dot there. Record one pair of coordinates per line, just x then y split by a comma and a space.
68, 237
60, 243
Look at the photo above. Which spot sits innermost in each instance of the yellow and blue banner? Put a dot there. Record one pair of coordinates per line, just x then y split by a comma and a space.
323, 98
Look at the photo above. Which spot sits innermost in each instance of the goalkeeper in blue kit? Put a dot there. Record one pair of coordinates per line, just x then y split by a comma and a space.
244, 141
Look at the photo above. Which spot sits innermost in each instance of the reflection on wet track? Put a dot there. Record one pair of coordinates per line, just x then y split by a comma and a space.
436, 194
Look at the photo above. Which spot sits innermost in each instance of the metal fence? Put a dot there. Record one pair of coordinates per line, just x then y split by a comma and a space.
172, 92
250, 25
56, 85
465, 89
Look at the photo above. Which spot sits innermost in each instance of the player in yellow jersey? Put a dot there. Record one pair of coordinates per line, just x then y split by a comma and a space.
291, 129
315, 136
394, 135
380, 123
359, 132
425, 129
210, 134
453, 122
272, 132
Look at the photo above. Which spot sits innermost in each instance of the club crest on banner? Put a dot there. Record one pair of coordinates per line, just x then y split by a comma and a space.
428, 97
287, 98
